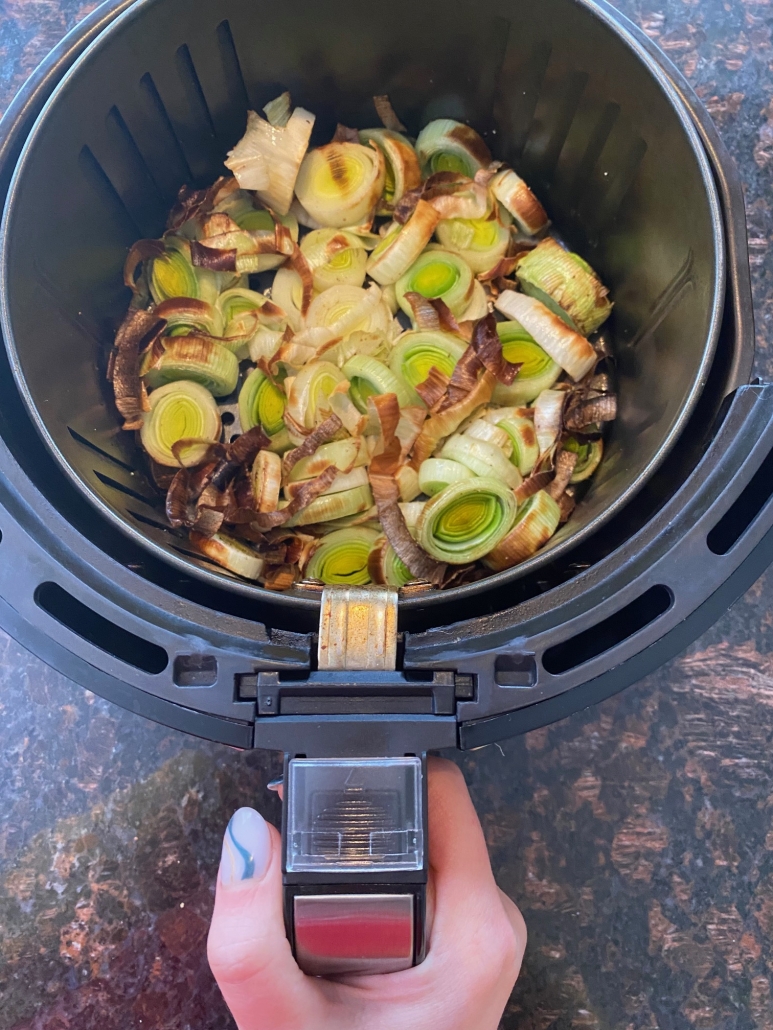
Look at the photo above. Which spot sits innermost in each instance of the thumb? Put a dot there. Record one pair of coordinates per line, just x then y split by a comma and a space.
248, 951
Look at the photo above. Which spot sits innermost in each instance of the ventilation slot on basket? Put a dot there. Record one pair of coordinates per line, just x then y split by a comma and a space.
193, 91
744, 510
99, 631
98, 450
153, 97
237, 90
608, 634
99, 181
150, 501
195, 670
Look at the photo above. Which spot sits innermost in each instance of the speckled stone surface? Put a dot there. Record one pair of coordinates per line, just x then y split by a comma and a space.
637, 837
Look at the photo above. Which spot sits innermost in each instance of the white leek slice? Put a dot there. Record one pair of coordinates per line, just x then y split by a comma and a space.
344, 454
435, 474
261, 403
287, 293
564, 281
343, 481
548, 411
268, 157
334, 506
516, 197
417, 351
482, 242
437, 274
198, 358
538, 371
266, 480
308, 399
407, 479
482, 458
589, 454
385, 567
401, 247
482, 429
232, 554
336, 258
340, 184
536, 522
402, 171
478, 306
566, 347
343, 310
522, 433
180, 411
445, 145
369, 377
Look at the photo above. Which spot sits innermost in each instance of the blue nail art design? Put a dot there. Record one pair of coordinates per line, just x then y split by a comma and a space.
246, 847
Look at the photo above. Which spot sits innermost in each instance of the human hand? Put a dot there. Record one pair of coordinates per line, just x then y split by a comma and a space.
476, 935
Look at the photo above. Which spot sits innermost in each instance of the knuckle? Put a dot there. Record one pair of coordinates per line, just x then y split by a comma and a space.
233, 962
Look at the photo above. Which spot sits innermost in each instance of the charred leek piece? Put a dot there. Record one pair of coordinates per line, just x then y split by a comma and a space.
589, 454
482, 458
491, 432
173, 275
336, 258
184, 316
415, 353
334, 506
343, 481
266, 479
466, 520
482, 242
437, 274
566, 347
403, 245
349, 309
180, 411
308, 400
342, 557
198, 358
524, 439
268, 157
435, 474
261, 403
538, 372
402, 172
516, 198
234, 555
344, 454
385, 567
340, 184
536, 522
369, 377
566, 283
449, 146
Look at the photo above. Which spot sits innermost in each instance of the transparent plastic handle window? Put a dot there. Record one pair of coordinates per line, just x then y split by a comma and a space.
354, 814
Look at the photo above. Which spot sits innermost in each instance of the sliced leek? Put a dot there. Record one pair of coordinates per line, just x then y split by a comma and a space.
369, 377
384, 566
589, 454
340, 184
482, 242
565, 346
482, 429
342, 557
482, 458
308, 400
401, 172
478, 306
536, 522
552, 274
180, 411
334, 506
416, 352
403, 245
232, 554
466, 520
449, 146
435, 474
516, 197
523, 436
437, 274
198, 358
336, 258
173, 275
266, 477
407, 479
261, 403
349, 309
538, 371
344, 454
344, 481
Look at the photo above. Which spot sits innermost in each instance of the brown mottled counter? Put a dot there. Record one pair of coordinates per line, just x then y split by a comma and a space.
637, 837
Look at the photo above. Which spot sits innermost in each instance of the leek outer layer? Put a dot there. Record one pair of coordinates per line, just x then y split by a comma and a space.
482, 242
403, 245
197, 358
419, 350
551, 273
336, 257
369, 377
536, 522
261, 403
435, 474
482, 458
445, 145
589, 454
466, 520
402, 172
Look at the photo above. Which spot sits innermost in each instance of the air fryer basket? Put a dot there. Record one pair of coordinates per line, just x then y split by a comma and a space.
600, 135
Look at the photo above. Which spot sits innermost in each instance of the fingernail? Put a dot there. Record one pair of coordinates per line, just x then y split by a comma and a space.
246, 848
275, 784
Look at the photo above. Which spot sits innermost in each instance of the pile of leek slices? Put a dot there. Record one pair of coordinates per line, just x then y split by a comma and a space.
357, 449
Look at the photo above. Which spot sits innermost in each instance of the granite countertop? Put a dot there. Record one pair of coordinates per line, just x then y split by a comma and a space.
637, 837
